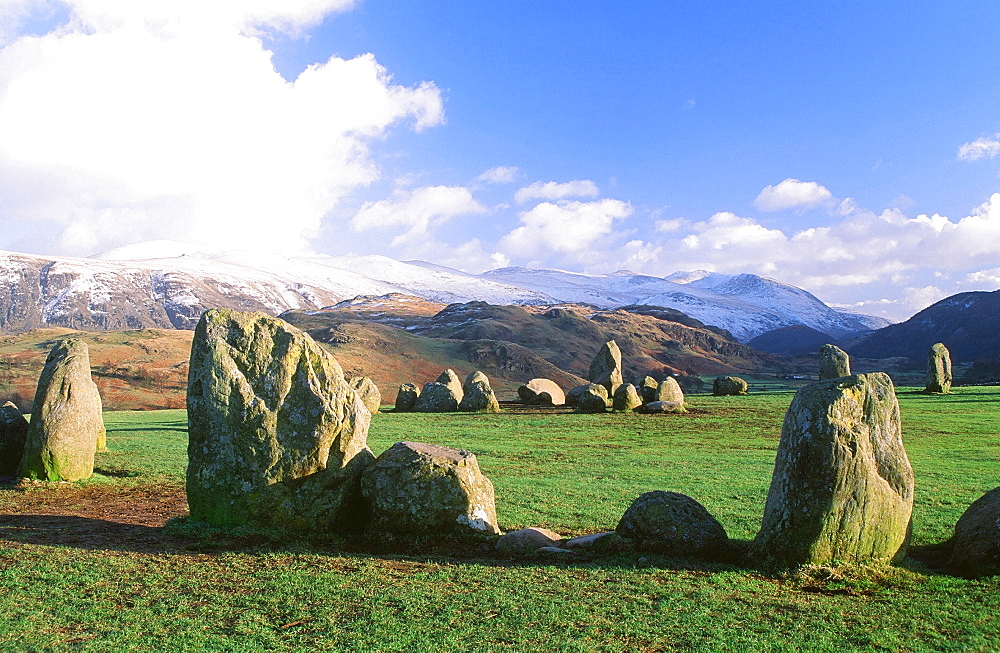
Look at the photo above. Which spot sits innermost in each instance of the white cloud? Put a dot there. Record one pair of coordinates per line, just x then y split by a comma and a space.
552, 190
793, 194
166, 119
981, 148
565, 227
417, 212
499, 175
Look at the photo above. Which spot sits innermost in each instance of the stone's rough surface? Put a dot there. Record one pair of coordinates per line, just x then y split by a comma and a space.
541, 392
450, 379
976, 544
938, 369
478, 397
474, 376
647, 389
842, 487
527, 540
67, 425
725, 386
606, 368
406, 398
594, 399
669, 390
276, 436
427, 489
573, 396
833, 362
367, 391
663, 407
436, 398
626, 398
13, 435
671, 522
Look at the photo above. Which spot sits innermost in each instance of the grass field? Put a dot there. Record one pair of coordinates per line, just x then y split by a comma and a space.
89, 567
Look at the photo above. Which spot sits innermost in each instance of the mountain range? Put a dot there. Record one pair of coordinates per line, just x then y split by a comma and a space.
162, 284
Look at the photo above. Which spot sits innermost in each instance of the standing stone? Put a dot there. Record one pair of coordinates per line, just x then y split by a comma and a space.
417, 488
670, 390
673, 523
647, 389
406, 398
606, 368
842, 487
437, 398
593, 400
626, 398
976, 544
833, 362
367, 391
276, 436
541, 392
725, 386
450, 379
478, 396
13, 435
67, 425
938, 369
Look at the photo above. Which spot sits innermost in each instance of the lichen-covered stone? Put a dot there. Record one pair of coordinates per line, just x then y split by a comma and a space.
437, 398
276, 436
417, 488
367, 391
13, 435
478, 397
67, 425
626, 398
606, 368
527, 540
450, 379
594, 399
976, 543
842, 487
406, 398
938, 369
647, 389
725, 386
833, 362
670, 390
654, 407
673, 523
541, 392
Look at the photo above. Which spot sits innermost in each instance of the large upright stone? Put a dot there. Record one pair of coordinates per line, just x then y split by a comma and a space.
842, 487
276, 436
417, 488
13, 435
541, 392
67, 425
478, 395
938, 369
450, 379
406, 398
367, 391
669, 390
833, 362
606, 368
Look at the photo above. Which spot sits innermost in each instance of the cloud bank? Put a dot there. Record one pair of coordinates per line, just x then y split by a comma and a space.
793, 194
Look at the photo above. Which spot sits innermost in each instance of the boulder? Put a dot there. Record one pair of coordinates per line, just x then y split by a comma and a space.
833, 362
67, 425
938, 369
417, 488
450, 379
541, 392
647, 389
976, 544
663, 407
842, 487
606, 368
276, 436
478, 397
670, 390
573, 396
592, 400
626, 398
436, 398
406, 398
673, 523
725, 386
528, 540
13, 435
367, 391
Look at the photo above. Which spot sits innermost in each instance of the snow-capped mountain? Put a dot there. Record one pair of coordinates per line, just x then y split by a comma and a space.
166, 284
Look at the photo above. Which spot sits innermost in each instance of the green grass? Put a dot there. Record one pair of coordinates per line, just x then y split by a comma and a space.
572, 473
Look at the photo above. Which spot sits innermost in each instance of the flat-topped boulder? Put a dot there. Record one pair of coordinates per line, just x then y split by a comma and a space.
938, 369
541, 392
842, 487
13, 435
276, 436
418, 488
654, 407
606, 368
67, 424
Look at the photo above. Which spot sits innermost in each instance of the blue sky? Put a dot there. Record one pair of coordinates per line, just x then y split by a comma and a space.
846, 148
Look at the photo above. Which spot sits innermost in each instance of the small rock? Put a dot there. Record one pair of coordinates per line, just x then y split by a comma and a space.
528, 539
664, 407
725, 386
591, 541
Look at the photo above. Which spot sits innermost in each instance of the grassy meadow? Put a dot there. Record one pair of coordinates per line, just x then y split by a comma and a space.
190, 588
